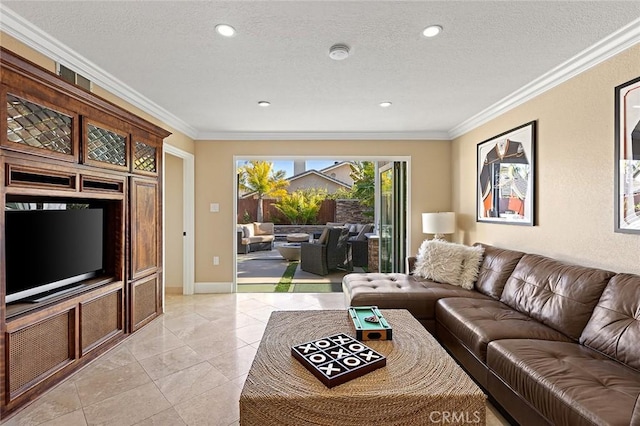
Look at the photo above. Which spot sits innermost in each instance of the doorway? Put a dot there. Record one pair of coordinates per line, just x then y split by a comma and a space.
396, 211
178, 224
392, 195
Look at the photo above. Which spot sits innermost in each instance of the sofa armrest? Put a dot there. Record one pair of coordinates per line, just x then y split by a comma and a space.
313, 258
410, 264
635, 417
242, 247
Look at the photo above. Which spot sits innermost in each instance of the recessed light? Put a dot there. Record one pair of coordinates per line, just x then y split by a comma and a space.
264, 103
432, 31
225, 30
385, 104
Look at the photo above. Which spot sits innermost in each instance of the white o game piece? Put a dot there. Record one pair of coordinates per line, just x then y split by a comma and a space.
355, 347
317, 358
351, 361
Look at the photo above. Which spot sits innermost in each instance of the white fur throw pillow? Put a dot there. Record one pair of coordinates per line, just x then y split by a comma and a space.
449, 263
471, 266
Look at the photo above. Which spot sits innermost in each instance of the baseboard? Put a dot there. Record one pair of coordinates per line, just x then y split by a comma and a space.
220, 287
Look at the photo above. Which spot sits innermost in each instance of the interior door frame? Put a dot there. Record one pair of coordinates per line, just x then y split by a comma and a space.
188, 215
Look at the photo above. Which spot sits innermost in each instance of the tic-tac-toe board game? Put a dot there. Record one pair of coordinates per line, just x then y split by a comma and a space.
337, 359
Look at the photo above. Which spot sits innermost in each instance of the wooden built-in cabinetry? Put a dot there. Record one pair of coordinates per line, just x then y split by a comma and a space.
62, 144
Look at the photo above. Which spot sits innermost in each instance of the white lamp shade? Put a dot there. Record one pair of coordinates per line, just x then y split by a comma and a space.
439, 223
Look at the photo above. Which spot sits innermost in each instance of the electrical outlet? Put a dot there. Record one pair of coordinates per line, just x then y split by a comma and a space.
216, 260
214, 207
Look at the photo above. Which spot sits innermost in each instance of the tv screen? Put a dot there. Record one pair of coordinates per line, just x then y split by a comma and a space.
48, 249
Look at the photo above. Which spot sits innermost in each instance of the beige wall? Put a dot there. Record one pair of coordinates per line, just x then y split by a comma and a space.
173, 219
215, 172
575, 173
16, 46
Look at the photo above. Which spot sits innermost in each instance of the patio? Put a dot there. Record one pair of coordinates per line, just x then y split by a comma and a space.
268, 272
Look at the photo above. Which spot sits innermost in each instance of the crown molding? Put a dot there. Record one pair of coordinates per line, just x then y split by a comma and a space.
25, 32
611, 45
261, 136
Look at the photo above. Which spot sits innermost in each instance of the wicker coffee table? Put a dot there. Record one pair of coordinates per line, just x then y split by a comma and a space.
419, 385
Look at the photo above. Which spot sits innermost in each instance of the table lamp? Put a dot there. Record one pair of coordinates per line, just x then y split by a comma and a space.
439, 223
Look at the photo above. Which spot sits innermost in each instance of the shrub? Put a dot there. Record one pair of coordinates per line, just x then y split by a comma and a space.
301, 207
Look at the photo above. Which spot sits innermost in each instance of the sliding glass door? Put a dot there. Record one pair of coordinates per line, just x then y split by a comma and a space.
392, 196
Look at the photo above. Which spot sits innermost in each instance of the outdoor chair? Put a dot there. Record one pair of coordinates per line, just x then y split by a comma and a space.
329, 253
360, 245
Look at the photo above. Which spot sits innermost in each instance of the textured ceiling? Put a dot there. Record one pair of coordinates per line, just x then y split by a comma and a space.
169, 52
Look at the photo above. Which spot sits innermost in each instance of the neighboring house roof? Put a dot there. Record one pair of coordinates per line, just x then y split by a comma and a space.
324, 174
306, 174
319, 174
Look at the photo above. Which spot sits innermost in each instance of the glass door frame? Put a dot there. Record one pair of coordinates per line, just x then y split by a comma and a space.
394, 236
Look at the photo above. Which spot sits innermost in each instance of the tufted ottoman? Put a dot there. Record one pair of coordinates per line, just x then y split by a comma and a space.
401, 291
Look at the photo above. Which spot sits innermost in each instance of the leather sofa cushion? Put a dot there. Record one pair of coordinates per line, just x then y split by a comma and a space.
477, 322
497, 265
614, 327
566, 382
557, 294
400, 291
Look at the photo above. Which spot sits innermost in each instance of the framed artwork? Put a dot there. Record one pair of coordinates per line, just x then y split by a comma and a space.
506, 177
627, 157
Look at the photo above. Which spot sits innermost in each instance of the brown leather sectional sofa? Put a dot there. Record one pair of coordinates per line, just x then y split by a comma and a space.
550, 342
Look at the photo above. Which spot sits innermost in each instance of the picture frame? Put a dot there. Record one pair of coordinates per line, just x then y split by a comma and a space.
505, 174
627, 157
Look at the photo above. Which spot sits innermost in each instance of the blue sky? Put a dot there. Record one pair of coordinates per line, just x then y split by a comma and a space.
287, 165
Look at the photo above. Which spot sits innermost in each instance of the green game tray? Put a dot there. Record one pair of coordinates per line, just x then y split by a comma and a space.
369, 323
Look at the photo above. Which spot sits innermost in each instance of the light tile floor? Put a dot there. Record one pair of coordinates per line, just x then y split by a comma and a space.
185, 368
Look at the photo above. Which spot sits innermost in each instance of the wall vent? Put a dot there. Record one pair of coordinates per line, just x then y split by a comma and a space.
73, 77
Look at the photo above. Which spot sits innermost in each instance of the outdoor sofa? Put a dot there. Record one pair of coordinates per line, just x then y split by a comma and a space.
550, 342
255, 236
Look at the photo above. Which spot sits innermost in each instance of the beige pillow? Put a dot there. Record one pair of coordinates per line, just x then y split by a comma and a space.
324, 236
449, 263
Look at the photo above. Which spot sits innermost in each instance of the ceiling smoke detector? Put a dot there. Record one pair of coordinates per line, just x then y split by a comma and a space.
339, 52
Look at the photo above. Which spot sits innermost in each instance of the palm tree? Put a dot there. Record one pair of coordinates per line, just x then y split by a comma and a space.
260, 178
364, 187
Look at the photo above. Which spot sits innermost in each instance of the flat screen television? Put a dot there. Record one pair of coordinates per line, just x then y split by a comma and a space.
47, 250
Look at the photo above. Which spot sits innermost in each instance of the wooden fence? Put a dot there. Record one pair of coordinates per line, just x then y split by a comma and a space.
248, 208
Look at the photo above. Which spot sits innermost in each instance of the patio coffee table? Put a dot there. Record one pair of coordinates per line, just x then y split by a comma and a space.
290, 251
419, 384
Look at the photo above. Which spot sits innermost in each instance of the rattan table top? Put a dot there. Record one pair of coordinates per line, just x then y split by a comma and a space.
419, 384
